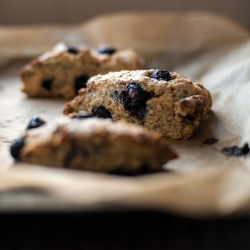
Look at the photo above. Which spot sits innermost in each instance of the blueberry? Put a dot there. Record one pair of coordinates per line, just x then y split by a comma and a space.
80, 82
47, 84
16, 147
73, 50
84, 116
190, 118
35, 122
101, 112
134, 99
161, 75
106, 50
133, 93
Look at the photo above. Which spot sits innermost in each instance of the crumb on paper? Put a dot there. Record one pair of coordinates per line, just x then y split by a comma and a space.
209, 141
236, 151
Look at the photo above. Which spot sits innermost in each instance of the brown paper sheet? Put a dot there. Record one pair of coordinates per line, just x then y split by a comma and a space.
206, 48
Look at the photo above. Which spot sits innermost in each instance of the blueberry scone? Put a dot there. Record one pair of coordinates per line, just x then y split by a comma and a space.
95, 144
162, 101
64, 70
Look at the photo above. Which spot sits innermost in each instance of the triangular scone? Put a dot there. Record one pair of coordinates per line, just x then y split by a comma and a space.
64, 70
162, 101
93, 144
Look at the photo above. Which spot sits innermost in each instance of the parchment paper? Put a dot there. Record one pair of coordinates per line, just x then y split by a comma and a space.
206, 48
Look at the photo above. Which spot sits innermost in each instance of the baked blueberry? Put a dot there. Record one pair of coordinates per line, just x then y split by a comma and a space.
80, 82
190, 118
134, 99
16, 147
35, 122
161, 75
106, 50
101, 112
47, 84
73, 50
84, 116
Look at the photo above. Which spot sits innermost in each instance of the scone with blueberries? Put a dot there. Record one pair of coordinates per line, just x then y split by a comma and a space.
159, 100
64, 70
98, 145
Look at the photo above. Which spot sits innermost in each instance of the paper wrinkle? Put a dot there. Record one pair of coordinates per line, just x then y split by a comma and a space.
206, 48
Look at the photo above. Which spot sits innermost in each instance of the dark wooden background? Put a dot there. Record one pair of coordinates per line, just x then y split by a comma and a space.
75, 11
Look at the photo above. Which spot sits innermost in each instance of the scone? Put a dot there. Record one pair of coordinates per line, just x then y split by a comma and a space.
62, 71
95, 144
162, 101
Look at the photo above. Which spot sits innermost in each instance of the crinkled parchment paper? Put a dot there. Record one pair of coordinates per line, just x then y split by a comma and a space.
206, 48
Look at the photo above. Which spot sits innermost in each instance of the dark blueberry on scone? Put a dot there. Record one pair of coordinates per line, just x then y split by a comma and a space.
64, 70
101, 112
16, 147
104, 49
47, 84
35, 122
80, 82
84, 115
73, 50
161, 75
98, 145
174, 107
134, 99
